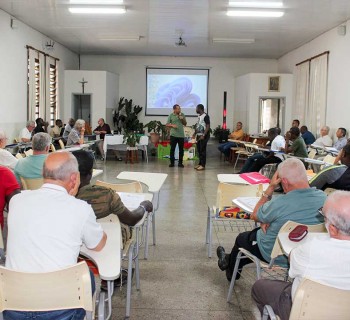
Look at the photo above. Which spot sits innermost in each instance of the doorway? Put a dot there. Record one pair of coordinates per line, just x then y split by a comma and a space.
82, 107
271, 113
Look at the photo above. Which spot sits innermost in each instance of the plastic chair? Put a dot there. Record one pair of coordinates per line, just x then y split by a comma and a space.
68, 288
272, 270
122, 187
19, 156
225, 194
31, 184
61, 143
52, 147
142, 145
28, 152
250, 149
314, 300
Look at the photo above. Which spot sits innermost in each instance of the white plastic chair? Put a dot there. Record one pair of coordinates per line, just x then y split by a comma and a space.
271, 269
134, 186
31, 184
68, 288
142, 145
314, 300
225, 194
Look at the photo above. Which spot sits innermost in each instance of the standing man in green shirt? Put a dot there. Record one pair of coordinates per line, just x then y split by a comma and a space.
176, 122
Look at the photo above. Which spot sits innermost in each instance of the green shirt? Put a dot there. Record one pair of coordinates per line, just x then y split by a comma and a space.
299, 148
299, 205
179, 131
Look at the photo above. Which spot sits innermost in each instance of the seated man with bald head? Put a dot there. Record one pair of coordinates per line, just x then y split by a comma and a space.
106, 201
48, 226
325, 260
300, 203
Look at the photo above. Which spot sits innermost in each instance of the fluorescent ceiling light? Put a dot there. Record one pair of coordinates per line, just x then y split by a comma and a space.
232, 40
255, 4
246, 13
97, 10
97, 2
122, 39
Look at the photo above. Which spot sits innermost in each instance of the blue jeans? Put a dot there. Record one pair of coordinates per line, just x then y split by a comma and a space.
69, 314
226, 147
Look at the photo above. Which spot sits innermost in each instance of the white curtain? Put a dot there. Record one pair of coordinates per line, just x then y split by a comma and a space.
31, 99
315, 116
42, 85
302, 75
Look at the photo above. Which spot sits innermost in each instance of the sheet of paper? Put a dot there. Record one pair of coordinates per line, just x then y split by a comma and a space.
131, 200
246, 203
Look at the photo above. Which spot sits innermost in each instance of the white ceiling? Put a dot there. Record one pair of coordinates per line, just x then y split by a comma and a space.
160, 22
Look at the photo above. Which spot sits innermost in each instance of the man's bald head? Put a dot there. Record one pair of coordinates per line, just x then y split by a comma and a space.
337, 212
60, 166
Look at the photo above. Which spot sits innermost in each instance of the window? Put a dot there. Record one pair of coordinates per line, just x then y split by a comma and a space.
42, 86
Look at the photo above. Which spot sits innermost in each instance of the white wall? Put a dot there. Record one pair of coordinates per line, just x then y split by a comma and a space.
103, 87
132, 78
13, 66
338, 92
249, 88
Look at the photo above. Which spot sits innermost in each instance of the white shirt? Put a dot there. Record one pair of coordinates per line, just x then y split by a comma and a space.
325, 141
25, 134
47, 228
277, 144
7, 159
325, 260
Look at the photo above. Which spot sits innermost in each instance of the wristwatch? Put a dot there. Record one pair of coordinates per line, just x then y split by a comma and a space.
265, 195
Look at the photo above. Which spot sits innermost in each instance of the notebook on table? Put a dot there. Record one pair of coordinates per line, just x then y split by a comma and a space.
254, 178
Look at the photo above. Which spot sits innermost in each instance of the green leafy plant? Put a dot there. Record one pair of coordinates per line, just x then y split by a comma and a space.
157, 127
126, 116
221, 134
131, 138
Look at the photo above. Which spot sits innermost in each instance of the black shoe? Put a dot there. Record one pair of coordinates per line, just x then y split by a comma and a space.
171, 165
180, 165
117, 282
229, 275
223, 258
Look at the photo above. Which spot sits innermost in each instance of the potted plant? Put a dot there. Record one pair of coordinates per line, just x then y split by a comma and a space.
131, 138
155, 129
221, 134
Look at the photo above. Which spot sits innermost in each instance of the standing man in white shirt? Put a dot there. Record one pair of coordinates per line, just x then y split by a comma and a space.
26, 133
325, 260
48, 237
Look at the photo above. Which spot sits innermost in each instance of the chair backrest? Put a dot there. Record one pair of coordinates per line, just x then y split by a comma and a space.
67, 288
134, 186
143, 141
62, 146
288, 227
329, 159
227, 192
52, 147
314, 300
31, 184
312, 154
28, 152
19, 156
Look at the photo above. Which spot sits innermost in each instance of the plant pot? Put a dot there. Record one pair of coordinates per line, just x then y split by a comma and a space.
154, 137
223, 136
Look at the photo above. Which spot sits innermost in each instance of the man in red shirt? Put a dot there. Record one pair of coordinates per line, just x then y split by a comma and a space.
8, 188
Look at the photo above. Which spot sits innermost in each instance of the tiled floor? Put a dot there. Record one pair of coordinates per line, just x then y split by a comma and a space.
179, 281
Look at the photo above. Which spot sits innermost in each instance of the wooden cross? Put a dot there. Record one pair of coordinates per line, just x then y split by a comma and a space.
83, 84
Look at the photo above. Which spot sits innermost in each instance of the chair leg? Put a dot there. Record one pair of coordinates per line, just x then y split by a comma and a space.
154, 227
234, 168
136, 258
128, 287
148, 223
233, 280
210, 236
207, 231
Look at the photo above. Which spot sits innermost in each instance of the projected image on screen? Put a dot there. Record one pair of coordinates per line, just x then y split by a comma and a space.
167, 87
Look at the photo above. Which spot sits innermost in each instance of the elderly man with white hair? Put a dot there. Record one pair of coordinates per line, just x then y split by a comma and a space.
31, 167
48, 226
300, 204
324, 140
6, 158
322, 259
76, 136
26, 133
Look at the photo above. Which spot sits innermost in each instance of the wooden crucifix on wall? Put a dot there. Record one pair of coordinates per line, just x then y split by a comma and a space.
83, 85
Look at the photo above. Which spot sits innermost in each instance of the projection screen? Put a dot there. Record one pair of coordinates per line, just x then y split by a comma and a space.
169, 86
